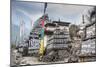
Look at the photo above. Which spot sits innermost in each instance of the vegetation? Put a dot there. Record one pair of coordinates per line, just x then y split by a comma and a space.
13, 46
91, 16
73, 29
25, 51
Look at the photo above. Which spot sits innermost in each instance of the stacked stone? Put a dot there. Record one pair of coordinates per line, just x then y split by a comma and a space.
88, 48
57, 46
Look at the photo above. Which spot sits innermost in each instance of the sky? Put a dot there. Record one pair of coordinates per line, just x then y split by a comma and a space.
30, 11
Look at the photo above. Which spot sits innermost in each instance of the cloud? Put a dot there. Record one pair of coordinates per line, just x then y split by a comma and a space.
29, 9
65, 12
33, 17
67, 9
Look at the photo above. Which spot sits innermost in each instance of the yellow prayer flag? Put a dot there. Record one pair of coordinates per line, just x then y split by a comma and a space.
41, 50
